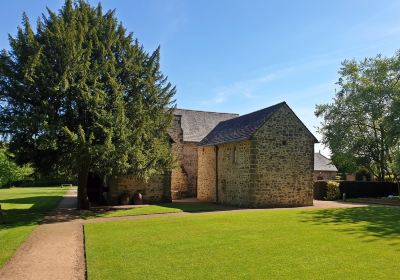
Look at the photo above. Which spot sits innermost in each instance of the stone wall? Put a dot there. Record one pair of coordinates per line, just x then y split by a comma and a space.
156, 190
159, 188
274, 168
282, 162
179, 176
189, 164
324, 175
234, 173
184, 175
206, 187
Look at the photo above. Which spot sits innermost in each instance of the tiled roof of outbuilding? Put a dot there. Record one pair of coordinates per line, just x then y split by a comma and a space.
240, 128
322, 163
197, 124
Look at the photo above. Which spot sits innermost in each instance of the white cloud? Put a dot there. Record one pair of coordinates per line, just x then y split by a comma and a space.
245, 88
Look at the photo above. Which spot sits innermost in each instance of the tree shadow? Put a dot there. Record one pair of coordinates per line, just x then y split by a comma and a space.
39, 203
197, 207
189, 207
371, 223
33, 215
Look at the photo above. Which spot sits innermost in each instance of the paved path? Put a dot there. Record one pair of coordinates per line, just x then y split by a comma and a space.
53, 251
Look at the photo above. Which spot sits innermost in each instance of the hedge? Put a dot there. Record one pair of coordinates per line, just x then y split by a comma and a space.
355, 189
40, 183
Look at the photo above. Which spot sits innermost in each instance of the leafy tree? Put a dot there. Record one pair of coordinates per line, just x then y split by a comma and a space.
82, 95
361, 126
10, 171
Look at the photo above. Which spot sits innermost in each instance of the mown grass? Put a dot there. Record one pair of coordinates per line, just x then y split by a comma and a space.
395, 201
354, 243
23, 209
155, 209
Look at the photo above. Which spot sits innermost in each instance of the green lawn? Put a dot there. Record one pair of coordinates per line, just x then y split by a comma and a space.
353, 243
23, 208
156, 209
395, 201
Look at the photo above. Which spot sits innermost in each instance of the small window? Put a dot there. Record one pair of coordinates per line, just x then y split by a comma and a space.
234, 155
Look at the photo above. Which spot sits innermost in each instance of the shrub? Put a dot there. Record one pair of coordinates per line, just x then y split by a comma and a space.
319, 190
10, 171
355, 189
332, 190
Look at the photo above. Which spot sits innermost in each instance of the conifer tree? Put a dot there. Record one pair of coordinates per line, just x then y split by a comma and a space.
81, 95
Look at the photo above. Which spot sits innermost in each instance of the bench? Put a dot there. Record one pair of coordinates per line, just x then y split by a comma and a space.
66, 185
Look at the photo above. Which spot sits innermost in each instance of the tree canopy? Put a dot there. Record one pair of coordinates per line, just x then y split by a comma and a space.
81, 94
362, 124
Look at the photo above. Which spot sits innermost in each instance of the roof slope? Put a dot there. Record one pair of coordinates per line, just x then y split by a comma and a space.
240, 128
322, 163
197, 124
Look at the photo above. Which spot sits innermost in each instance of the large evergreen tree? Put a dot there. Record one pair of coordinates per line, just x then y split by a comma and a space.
81, 95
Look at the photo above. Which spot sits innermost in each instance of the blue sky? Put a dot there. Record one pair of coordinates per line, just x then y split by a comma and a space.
243, 55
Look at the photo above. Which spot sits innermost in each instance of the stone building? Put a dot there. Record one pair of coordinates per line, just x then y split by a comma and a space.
195, 125
189, 127
324, 169
261, 159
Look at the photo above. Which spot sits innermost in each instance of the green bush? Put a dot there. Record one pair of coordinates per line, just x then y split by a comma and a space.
10, 171
319, 190
354, 189
332, 190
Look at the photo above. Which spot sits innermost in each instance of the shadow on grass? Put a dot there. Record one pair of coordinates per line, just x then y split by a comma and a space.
39, 203
33, 215
373, 221
161, 208
196, 207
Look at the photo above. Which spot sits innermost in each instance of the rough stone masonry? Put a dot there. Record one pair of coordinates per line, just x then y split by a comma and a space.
262, 159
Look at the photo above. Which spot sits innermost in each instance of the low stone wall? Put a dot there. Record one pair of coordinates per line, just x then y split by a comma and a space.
156, 190
324, 175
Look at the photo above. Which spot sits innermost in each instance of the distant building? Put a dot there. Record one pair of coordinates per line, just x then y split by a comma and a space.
324, 169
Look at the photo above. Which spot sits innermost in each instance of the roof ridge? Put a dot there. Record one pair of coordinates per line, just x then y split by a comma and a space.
240, 128
254, 112
269, 107
202, 111
319, 153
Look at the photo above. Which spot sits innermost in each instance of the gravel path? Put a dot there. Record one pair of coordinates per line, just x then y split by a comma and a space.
53, 251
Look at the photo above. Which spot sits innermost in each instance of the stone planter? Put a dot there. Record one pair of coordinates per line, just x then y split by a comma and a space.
137, 198
124, 199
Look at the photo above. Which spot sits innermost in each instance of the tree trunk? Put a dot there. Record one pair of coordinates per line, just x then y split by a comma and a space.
83, 202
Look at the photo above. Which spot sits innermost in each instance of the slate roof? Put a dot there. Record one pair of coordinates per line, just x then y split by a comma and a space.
240, 128
322, 163
197, 124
